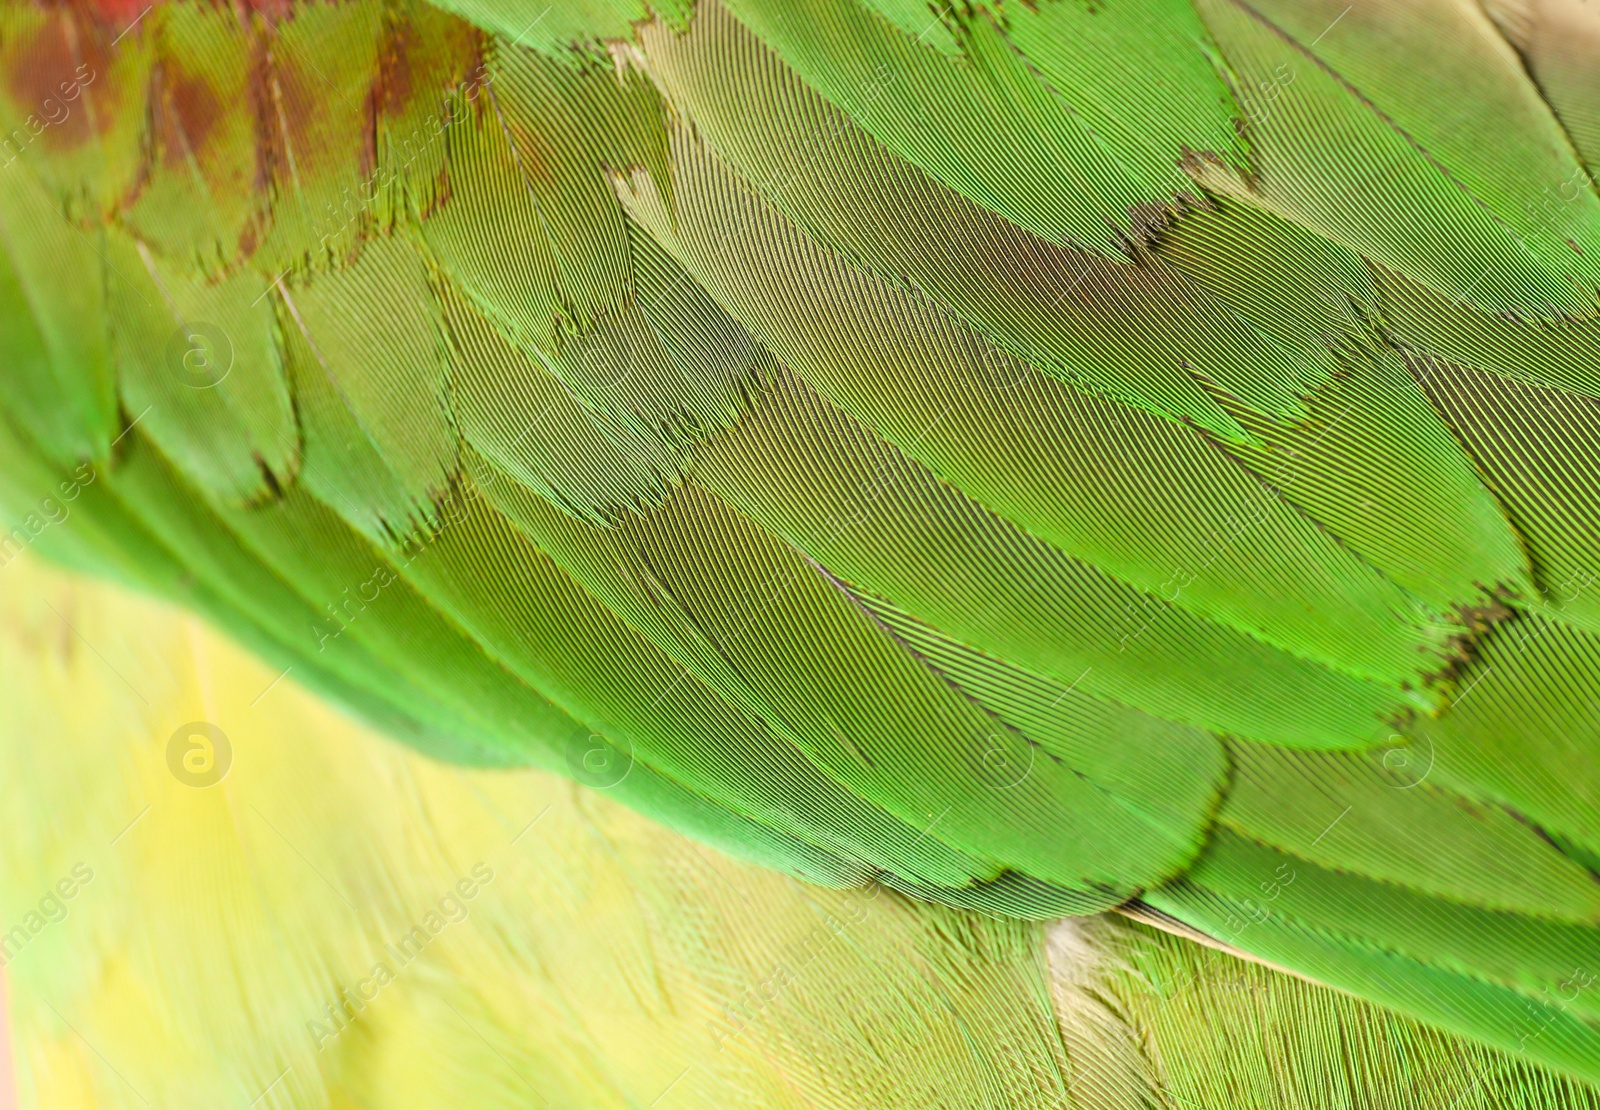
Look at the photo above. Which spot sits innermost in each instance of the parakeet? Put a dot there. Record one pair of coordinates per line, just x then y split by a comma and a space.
1005, 463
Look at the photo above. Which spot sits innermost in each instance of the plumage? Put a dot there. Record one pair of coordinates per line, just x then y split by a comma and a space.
321, 918
1041, 459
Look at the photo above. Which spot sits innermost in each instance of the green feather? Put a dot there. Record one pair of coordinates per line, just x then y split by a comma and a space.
1012, 461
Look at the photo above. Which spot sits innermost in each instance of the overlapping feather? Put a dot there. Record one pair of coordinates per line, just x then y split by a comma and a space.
1042, 459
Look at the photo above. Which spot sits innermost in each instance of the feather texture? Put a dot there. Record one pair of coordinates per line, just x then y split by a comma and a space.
289, 909
1035, 458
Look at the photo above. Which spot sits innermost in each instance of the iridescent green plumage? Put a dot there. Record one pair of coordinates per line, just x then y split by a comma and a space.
1040, 459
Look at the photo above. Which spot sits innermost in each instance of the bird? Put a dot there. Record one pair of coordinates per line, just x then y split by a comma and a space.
1031, 462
